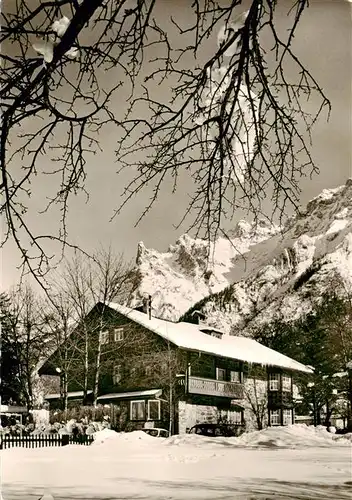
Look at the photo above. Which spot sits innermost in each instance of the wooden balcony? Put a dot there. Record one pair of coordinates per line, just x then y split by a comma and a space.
209, 387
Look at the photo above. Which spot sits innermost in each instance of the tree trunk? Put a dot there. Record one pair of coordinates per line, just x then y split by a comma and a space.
318, 418
257, 406
329, 412
349, 407
65, 392
86, 366
171, 415
97, 369
29, 389
171, 391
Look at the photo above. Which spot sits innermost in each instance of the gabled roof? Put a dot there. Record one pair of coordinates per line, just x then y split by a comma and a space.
188, 336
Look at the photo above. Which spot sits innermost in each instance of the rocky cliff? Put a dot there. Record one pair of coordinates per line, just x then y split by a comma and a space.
257, 272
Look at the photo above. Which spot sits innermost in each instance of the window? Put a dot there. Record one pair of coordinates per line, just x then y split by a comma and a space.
116, 374
220, 374
235, 376
233, 417
286, 383
237, 417
287, 417
154, 409
274, 417
273, 382
148, 370
118, 334
137, 410
105, 337
133, 372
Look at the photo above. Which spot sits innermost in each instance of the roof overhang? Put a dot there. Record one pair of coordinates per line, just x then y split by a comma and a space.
130, 395
70, 395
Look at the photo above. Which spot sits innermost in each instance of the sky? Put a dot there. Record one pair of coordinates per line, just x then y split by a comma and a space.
323, 42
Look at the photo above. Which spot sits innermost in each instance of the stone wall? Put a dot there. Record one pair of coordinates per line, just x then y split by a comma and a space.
40, 417
191, 414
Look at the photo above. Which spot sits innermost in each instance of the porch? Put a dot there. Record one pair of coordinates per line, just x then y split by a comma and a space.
211, 387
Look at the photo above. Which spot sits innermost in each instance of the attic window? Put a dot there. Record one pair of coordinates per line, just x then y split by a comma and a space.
105, 337
118, 334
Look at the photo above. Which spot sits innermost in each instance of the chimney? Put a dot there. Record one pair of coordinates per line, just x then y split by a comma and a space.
199, 316
150, 306
147, 306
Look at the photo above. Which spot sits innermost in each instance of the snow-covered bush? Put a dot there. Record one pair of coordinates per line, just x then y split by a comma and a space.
17, 429
84, 414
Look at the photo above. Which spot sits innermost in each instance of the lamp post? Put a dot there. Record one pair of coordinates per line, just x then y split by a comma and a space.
59, 371
312, 385
349, 397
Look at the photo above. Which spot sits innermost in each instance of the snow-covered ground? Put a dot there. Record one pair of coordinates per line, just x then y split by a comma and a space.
296, 463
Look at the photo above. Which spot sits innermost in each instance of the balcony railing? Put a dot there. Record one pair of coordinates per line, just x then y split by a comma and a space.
209, 387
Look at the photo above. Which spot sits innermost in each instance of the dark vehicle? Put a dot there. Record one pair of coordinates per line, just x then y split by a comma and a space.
215, 430
342, 431
155, 432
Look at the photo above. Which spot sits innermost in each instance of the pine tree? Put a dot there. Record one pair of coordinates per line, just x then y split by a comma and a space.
321, 339
10, 364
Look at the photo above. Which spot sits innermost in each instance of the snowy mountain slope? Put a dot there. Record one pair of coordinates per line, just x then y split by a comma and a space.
289, 271
272, 272
190, 270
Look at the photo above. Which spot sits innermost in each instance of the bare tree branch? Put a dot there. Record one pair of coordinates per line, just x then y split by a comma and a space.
236, 124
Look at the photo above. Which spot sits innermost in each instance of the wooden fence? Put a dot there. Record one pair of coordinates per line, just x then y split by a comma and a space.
42, 440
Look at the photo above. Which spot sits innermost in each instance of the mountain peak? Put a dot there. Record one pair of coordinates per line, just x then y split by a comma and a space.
289, 272
192, 269
257, 269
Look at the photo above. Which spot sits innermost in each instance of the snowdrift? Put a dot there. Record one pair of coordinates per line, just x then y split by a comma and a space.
293, 436
109, 436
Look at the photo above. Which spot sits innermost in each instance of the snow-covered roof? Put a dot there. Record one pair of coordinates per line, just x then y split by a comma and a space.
74, 394
135, 394
15, 409
188, 336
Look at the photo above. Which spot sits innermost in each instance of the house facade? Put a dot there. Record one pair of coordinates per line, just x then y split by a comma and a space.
158, 373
